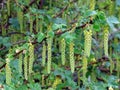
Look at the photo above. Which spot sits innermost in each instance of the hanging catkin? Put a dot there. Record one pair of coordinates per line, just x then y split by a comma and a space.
20, 62
31, 24
63, 46
37, 23
8, 71
111, 65
49, 43
84, 67
106, 34
71, 55
111, 8
31, 57
92, 4
43, 54
56, 82
87, 44
118, 66
8, 7
25, 65
20, 19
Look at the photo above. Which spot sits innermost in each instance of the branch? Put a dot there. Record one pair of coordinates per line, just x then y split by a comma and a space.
78, 27
2, 48
30, 4
58, 14
15, 33
16, 54
65, 8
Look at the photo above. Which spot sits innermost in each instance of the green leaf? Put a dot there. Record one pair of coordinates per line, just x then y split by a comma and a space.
50, 34
40, 37
96, 27
112, 21
34, 86
59, 21
58, 26
14, 22
69, 37
118, 2
90, 13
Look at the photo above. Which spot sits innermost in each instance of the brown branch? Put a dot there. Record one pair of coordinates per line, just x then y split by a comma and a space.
2, 66
58, 14
16, 54
15, 33
2, 48
19, 42
106, 70
65, 8
78, 27
30, 4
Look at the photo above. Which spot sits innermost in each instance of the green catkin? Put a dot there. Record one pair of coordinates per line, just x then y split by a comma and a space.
84, 67
87, 44
59, 43
43, 54
20, 19
118, 66
49, 43
56, 82
63, 46
8, 7
71, 55
26, 65
3, 30
92, 4
8, 71
111, 8
37, 23
4, 20
31, 57
31, 24
41, 25
106, 34
20, 62
111, 66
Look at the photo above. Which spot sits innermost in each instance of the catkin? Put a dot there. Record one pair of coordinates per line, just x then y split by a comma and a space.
111, 8
84, 67
106, 34
31, 24
49, 43
71, 55
31, 57
56, 82
43, 54
63, 46
118, 67
20, 19
8, 71
87, 44
37, 23
26, 66
20, 63
8, 7
111, 66
92, 4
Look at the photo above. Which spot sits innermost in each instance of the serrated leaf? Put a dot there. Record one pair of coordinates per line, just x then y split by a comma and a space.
50, 34
113, 20
59, 21
40, 37
90, 13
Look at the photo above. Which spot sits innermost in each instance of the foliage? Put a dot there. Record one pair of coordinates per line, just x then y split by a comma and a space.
59, 44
